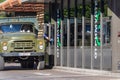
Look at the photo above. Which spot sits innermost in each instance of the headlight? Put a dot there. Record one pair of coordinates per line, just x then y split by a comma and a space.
41, 43
5, 48
41, 47
4, 43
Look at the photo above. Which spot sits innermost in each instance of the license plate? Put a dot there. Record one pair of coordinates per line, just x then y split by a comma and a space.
24, 54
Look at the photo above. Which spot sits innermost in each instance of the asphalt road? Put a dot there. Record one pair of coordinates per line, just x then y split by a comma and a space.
14, 72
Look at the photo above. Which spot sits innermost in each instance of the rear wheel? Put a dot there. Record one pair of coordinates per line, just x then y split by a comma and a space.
23, 64
1, 63
29, 63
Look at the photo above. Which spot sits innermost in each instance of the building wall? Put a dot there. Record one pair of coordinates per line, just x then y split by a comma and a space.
115, 35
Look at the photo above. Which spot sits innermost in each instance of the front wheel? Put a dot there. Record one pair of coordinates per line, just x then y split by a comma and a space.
40, 65
1, 63
51, 61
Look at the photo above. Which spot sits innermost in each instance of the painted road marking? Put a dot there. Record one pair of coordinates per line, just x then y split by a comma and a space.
43, 74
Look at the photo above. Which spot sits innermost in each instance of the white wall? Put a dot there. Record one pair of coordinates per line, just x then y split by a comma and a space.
115, 32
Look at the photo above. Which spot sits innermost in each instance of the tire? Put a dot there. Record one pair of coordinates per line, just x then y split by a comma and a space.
1, 63
41, 65
23, 64
51, 61
29, 63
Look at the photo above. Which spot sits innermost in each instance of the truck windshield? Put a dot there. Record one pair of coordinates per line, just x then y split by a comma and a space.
10, 28
14, 28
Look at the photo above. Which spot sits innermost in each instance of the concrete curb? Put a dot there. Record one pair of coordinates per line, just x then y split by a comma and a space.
88, 71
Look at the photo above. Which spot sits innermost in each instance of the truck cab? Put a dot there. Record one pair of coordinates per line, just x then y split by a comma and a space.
19, 42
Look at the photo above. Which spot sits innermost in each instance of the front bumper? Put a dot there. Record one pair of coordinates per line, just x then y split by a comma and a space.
15, 54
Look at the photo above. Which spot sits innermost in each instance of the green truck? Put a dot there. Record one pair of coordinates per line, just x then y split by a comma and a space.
19, 42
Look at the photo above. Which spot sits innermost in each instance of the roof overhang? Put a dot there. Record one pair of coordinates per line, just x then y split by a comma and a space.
39, 1
9, 3
26, 7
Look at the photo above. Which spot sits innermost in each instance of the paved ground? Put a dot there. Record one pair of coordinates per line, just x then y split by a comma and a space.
14, 72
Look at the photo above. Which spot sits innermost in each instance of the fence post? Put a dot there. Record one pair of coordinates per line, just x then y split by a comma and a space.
75, 34
61, 31
101, 33
68, 34
83, 33
92, 28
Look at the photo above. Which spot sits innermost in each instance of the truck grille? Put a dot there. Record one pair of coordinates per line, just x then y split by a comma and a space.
26, 45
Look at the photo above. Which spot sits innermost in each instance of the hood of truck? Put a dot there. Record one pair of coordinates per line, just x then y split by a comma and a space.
18, 35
